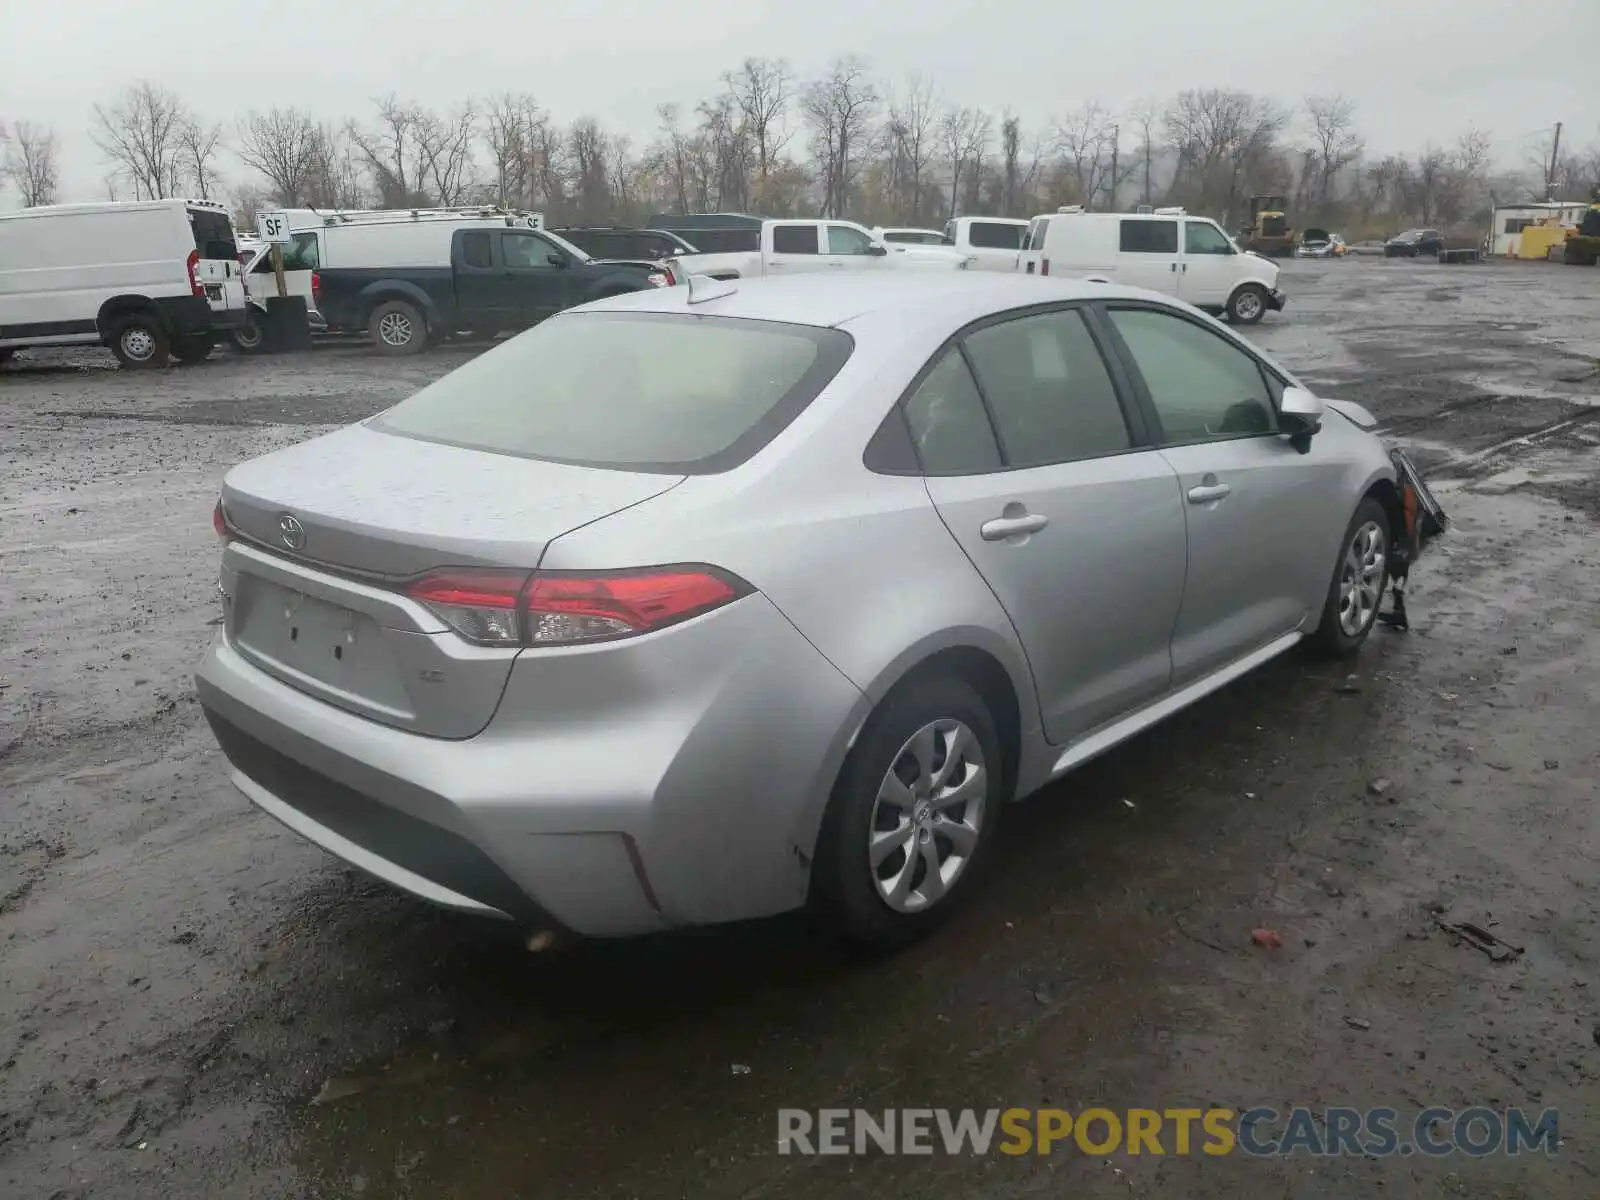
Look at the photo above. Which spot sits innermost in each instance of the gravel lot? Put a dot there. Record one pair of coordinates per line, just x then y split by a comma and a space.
196, 1003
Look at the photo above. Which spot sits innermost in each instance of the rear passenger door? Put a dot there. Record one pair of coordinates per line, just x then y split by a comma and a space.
1038, 465
1255, 572
487, 296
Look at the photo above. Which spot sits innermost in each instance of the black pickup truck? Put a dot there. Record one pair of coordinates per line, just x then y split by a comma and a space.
497, 280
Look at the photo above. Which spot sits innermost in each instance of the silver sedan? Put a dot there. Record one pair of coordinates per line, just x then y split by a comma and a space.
714, 601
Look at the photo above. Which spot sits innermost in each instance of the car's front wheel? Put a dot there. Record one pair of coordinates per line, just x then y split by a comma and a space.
1247, 305
912, 815
1359, 579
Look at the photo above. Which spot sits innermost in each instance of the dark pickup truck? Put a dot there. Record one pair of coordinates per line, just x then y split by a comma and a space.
497, 280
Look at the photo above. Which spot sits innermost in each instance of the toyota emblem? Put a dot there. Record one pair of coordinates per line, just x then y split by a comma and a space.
292, 532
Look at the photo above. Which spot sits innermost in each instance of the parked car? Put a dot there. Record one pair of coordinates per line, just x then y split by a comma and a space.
484, 280
615, 241
1166, 250
146, 279
1413, 242
1319, 243
712, 233
798, 247
993, 243
366, 238
696, 604
899, 236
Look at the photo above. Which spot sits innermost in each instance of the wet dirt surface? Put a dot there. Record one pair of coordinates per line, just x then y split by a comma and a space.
194, 1002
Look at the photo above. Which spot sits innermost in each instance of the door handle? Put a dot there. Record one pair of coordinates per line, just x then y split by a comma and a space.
1174, 267
1001, 528
1205, 493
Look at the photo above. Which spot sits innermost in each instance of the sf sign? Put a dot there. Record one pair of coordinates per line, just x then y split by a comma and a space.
274, 227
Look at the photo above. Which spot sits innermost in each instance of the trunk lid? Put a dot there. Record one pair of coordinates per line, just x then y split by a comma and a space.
329, 530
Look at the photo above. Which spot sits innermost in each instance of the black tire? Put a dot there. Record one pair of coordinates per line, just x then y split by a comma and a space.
1248, 304
845, 882
398, 328
139, 341
5, 355
251, 337
1331, 638
193, 347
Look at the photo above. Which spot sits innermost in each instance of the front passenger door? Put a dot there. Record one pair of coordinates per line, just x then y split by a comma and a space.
1074, 523
1258, 565
851, 249
541, 273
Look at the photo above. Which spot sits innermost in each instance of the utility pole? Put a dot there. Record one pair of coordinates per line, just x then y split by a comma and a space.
1116, 146
1550, 173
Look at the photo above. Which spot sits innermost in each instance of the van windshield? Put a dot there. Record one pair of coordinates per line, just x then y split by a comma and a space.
213, 234
663, 392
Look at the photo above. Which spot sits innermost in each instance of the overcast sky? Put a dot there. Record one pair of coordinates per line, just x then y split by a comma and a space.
1418, 70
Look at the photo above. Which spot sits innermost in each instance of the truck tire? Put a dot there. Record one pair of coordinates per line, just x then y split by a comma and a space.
1248, 304
398, 328
251, 337
139, 341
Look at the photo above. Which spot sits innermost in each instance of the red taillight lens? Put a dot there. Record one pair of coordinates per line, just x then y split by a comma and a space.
565, 608
316, 286
195, 286
1044, 266
479, 605
500, 608
219, 521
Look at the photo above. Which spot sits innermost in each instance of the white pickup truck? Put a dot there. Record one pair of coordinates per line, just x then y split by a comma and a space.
798, 247
992, 243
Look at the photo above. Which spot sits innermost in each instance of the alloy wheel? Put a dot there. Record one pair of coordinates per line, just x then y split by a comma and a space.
928, 816
395, 329
1361, 578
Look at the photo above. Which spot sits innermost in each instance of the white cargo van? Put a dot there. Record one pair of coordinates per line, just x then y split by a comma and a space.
366, 238
1165, 250
145, 278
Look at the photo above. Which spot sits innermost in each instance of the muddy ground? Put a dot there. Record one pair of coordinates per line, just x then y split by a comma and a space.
196, 1003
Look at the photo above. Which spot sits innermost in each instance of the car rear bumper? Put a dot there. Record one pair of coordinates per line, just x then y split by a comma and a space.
618, 790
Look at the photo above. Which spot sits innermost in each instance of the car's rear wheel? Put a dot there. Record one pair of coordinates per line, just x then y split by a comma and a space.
398, 328
1359, 578
139, 341
1247, 305
251, 337
912, 815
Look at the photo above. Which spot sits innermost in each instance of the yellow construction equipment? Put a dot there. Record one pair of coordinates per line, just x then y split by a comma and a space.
1269, 231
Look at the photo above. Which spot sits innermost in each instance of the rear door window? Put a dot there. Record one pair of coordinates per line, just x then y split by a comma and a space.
475, 250
994, 235
302, 253
794, 239
949, 426
661, 392
1141, 236
1049, 389
213, 234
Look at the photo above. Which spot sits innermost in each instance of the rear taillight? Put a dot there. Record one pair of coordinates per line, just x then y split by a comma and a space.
219, 521
559, 608
316, 286
660, 278
195, 286
1044, 266
479, 605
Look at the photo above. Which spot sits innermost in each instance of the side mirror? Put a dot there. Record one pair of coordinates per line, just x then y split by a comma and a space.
877, 250
555, 260
1299, 413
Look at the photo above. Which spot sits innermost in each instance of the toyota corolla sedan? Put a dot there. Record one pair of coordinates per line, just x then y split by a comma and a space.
724, 599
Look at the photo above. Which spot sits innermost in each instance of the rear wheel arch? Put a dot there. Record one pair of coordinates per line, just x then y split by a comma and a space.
118, 307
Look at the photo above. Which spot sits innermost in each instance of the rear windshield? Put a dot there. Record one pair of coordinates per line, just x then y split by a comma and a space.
663, 392
213, 234
992, 235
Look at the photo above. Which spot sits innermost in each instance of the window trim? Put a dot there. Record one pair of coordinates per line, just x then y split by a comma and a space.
1141, 389
1139, 431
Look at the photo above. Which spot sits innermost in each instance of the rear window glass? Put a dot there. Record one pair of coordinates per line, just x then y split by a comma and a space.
213, 234
631, 391
1149, 237
992, 235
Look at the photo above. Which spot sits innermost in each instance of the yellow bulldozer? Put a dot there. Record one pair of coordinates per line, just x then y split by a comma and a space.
1269, 232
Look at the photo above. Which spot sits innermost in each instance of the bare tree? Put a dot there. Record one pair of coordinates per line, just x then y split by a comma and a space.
1146, 115
964, 134
589, 149
762, 89
394, 153
197, 146
1335, 142
1225, 142
839, 107
29, 161
506, 126
141, 133
911, 132
444, 153
283, 145
1087, 138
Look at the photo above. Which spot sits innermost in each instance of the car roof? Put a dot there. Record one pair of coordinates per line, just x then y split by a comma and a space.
930, 299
